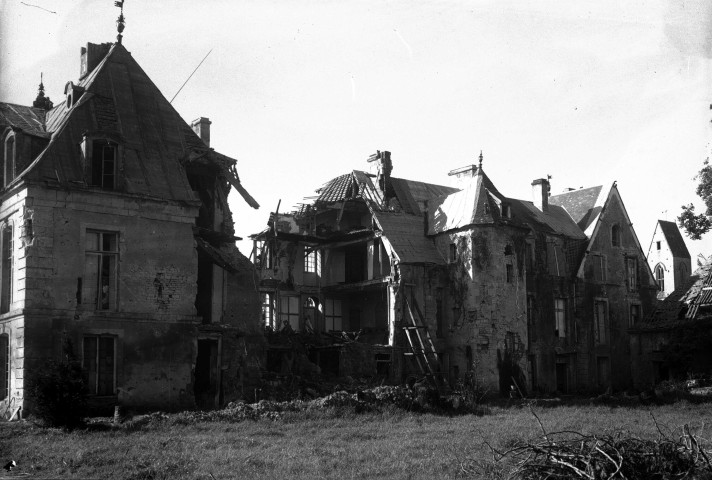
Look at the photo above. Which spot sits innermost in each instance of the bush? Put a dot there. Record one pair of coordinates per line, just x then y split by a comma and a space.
58, 393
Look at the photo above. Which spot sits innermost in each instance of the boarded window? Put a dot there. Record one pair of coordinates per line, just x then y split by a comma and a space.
4, 366
6, 268
99, 363
560, 317
333, 318
601, 322
100, 275
289, 312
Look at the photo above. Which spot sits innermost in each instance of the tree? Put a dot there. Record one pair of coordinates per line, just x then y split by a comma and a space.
696, 225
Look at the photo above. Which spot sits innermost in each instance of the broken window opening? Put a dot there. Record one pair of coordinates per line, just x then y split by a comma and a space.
103, 164
508, 250
100, 272
99, 364
289, 313
4, 367
268, 310
560, 317
510, 272
333, 317
453, 253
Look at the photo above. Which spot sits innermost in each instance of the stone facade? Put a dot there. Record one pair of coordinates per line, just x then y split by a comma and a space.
119, 248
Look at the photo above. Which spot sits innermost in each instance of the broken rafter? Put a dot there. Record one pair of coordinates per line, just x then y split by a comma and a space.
234, 180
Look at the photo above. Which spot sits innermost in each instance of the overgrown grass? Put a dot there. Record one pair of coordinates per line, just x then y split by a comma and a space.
331, 443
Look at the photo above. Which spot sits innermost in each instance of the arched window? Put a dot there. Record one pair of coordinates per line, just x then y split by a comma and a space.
660, 276
616, 236
9, 159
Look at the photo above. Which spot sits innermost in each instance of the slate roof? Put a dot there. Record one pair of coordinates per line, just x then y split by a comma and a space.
583, 205
405, 233
29, 119
122, 102
674, 239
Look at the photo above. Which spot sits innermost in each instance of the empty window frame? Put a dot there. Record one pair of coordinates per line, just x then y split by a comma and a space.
600, 323
289, 312
100, 269
509, 272
268, 310
453, 253
6, 260
616, 236
4, 367
660, 276
631, 269
333, 318
311, 260
560, 317
99, 363
103, 164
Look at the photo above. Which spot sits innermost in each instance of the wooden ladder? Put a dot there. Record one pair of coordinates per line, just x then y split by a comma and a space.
421, 345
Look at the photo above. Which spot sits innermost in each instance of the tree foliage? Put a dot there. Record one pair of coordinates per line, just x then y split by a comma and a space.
696, 225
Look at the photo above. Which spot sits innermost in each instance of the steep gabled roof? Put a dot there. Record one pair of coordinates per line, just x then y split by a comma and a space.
119, 101
583, 205
674, 239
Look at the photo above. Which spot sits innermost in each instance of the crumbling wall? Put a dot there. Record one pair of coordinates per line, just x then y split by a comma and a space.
487, 333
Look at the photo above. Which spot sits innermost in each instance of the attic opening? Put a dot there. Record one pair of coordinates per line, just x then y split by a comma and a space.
204, 187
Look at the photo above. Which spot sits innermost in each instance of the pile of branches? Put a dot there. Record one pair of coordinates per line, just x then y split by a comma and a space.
574, 455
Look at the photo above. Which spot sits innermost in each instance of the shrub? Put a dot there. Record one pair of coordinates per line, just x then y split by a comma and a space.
58, 392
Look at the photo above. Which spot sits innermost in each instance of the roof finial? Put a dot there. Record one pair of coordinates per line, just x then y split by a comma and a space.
41, 101
120, 22
480, 159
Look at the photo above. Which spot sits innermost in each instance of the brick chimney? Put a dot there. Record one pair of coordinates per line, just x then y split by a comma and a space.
201, 126
91, 56
540, 191
385, 167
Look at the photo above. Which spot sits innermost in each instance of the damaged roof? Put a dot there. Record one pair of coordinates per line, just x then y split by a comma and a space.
690, 302
119, 101
405, 233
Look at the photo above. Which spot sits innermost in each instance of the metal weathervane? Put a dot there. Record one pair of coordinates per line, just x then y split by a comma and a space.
120, 24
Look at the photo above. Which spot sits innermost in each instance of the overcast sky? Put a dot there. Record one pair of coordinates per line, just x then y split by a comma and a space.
302, 91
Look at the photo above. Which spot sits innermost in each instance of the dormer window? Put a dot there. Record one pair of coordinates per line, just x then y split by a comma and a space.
101, 162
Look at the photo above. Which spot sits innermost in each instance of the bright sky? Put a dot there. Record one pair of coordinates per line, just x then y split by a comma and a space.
299, 92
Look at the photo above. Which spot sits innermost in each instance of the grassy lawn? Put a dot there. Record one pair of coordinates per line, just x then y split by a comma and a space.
315, 444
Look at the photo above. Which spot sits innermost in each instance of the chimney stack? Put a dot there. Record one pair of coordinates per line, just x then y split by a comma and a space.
540, 190
384, 168
201, 127
91, 56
